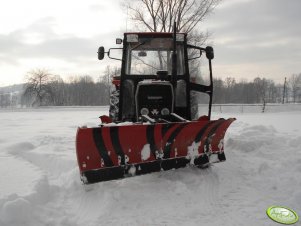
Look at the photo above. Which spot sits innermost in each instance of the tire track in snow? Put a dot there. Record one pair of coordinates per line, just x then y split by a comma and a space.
86, 203
41, 207
63, 174
48, 153
198, 187
218, 210
47, 197
245, 194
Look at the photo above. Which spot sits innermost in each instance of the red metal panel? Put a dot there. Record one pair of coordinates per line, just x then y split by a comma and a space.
132, 138
87, 154
186, 138
217, 143
106, 136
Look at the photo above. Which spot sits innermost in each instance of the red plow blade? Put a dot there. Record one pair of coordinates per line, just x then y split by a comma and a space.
112, 152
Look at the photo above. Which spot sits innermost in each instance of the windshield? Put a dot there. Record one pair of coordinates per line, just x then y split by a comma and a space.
148, 56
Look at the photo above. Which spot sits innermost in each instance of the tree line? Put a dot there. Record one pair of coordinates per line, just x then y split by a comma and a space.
43, 89
260, 90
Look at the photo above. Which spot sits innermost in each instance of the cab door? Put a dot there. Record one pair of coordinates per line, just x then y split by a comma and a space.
200, 80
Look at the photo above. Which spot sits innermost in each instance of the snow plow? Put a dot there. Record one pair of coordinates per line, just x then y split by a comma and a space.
160, 111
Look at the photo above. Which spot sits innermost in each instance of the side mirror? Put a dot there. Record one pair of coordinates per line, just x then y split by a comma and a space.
209, 52
101, 53
118, 41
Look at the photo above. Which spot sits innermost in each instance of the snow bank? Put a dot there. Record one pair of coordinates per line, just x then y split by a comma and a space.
17, 211
40, 183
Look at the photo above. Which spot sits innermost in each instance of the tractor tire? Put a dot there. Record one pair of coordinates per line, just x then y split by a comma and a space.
114, 105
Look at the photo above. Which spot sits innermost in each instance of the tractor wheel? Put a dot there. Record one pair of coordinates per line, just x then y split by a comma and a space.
114, 102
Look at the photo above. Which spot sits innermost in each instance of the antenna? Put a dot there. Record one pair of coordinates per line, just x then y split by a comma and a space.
126, 21
174, 54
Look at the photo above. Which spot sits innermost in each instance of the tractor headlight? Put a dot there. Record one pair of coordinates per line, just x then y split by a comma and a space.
144, 111
165, 111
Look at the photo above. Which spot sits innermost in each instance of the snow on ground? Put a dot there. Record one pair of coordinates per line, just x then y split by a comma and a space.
40, 185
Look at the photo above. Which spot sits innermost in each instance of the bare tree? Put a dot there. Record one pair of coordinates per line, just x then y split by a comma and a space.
261, 86
230, 83
159, 15
38, 87
58, 90
80, 90
219, 91
4, 99
295, 85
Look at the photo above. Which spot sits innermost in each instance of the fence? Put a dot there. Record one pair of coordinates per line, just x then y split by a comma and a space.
254, 108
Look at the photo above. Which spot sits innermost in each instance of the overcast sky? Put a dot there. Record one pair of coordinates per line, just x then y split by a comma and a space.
250, 37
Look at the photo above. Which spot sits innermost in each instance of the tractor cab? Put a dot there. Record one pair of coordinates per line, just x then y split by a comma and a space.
156, 82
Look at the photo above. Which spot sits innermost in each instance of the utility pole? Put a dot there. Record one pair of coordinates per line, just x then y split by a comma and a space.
284, 90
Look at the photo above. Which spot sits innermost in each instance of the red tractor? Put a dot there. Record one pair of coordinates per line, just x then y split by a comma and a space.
157, 119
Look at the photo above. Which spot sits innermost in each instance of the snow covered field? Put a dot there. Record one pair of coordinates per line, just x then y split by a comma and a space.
40, 185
